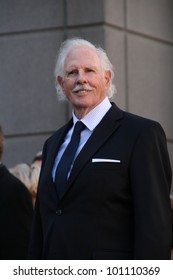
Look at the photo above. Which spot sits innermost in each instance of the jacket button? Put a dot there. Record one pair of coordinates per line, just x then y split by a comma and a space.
59, 212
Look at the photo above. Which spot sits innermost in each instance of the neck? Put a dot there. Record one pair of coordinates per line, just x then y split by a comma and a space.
81, 112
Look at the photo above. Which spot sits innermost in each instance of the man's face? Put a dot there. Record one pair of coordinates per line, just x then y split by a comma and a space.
84, 83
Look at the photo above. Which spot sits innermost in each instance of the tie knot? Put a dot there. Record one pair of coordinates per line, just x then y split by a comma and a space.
79, 126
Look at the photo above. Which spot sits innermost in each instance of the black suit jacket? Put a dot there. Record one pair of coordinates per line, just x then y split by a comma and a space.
16, 212
109, 210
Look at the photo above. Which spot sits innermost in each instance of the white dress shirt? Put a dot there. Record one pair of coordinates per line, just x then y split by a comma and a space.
91, 120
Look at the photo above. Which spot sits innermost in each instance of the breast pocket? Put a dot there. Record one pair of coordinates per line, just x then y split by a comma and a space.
112, 165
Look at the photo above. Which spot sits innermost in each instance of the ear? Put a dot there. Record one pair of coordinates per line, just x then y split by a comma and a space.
60, 81
108, 76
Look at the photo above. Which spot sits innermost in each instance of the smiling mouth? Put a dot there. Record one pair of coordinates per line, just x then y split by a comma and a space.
81, 91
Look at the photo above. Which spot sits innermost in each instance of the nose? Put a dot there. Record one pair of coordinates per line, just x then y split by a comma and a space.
81, 78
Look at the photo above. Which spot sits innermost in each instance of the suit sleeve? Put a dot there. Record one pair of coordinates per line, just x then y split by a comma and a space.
150, 175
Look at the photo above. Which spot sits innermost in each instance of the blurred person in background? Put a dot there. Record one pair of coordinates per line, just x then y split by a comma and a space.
16, 212
28, 175
34, 179
38, 158
22, 172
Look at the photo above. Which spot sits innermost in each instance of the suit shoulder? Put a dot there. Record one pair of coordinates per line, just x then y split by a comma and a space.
139, 120
133, 120
52, 140
140, 125
59, 132
55, 135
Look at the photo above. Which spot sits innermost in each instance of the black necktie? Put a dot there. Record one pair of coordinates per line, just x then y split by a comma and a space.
67, 158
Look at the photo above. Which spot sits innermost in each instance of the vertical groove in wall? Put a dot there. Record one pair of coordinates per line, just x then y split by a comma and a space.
65, 19
126, 56
65, 36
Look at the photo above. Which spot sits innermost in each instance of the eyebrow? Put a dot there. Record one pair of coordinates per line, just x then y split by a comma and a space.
71, 68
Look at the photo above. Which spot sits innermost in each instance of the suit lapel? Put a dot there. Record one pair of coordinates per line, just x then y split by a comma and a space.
53, 150
58, 139
102, 132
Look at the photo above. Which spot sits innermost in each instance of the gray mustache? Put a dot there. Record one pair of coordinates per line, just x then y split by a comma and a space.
82, 87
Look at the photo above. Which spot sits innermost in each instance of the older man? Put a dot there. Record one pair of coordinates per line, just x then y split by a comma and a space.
106, 175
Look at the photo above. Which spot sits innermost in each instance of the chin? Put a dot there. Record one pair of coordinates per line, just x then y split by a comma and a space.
81, 101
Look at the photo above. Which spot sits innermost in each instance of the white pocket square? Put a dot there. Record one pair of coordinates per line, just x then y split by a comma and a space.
106, 160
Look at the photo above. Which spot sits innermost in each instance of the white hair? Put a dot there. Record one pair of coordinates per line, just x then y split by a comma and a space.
66, 47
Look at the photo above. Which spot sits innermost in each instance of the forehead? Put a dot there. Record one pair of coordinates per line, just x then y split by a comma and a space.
82, 56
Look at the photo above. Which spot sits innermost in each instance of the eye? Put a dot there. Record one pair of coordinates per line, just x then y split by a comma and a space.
72, 73
88, 70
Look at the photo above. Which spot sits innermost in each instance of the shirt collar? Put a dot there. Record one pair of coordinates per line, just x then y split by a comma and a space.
92, 119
